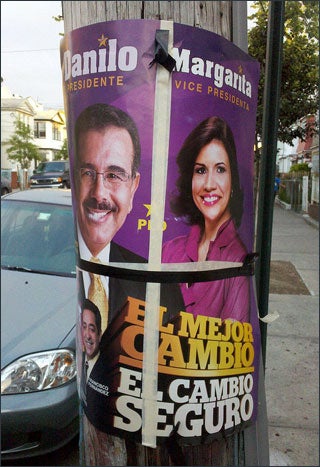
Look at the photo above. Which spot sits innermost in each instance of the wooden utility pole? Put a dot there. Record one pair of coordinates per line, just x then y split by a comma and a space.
220, 17
214, 16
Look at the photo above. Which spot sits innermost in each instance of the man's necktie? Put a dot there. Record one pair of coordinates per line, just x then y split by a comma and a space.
98, 296
86, 366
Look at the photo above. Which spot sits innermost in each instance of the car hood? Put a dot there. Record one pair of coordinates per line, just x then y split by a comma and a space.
37, 313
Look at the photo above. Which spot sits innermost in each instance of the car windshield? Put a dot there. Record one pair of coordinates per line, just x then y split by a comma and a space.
37, 237
45, 167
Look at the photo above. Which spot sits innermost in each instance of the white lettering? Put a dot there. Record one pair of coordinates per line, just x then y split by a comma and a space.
89, 62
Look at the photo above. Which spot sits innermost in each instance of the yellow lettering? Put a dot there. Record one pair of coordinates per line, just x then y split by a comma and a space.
170, 348
192, 326
203, 356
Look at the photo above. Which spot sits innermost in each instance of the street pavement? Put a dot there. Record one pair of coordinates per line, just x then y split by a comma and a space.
292, 351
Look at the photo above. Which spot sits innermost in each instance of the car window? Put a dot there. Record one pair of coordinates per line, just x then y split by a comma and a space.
41, 168
45, 167
37, 236
56, 167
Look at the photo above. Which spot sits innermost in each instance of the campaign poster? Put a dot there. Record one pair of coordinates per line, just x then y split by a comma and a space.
161, 123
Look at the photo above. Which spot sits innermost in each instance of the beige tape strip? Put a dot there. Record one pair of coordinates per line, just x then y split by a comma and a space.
270, 317
175, 267
161, 131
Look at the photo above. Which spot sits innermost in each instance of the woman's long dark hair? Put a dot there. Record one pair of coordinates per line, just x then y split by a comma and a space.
213, 128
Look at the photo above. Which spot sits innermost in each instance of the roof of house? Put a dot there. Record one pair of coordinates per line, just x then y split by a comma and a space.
51, 115
18, 104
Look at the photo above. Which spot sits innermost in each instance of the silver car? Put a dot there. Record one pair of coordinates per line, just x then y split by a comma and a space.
39, 401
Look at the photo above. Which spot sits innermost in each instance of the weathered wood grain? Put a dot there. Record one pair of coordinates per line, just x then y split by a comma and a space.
214, 16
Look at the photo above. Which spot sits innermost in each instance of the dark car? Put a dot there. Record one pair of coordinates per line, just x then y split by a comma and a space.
5, 186
39, 400
51, 174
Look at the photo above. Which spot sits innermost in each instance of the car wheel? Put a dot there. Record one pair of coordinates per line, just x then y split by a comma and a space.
4, 191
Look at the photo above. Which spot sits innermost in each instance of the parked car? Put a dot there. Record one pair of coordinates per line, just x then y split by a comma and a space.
51, 174
5, 186
39, 401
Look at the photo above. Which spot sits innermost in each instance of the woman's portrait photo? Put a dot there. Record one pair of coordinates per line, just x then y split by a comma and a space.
209, 198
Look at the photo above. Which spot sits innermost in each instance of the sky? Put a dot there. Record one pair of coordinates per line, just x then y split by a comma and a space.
30, 58
30, 42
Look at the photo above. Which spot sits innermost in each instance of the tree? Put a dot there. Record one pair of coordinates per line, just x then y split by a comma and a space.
21, 148
299, 168
299, 79
63, 153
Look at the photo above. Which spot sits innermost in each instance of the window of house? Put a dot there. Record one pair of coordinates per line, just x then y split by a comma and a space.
39, 129
56, 132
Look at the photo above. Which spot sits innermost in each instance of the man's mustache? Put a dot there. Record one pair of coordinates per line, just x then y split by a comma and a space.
92, 203
88, 341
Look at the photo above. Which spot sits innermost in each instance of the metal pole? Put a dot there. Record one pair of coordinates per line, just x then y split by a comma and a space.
268, 163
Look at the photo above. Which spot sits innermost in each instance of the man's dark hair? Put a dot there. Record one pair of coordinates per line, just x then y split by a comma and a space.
89, 305
100, 116
213, 128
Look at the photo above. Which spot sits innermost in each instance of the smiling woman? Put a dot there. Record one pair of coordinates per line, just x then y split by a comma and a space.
209, 199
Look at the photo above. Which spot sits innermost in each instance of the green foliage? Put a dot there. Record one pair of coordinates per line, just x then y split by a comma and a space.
298, 168
299, 78
58, 19
283, 195
21, 147
63, 153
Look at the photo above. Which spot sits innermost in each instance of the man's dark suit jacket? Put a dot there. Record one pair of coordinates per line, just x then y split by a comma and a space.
119, 290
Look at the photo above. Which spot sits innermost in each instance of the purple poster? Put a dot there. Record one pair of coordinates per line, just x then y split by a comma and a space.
161, 135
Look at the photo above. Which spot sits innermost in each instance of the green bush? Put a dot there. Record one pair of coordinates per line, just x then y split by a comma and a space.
301, 168
283, 195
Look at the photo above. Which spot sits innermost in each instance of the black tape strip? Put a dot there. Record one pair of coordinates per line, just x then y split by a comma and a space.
170, 277
161, 54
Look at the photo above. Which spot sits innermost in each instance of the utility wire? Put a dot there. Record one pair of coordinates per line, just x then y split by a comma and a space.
23, 51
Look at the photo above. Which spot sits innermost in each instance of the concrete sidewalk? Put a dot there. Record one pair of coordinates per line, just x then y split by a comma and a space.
292, 358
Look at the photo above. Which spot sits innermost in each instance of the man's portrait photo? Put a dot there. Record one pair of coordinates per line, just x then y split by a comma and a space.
106, 176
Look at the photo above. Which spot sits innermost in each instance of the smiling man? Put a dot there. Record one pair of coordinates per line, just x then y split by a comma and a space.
91, 332
106, 177
106, 174
90, 338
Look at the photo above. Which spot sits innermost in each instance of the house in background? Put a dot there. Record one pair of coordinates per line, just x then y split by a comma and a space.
308, 152
49, 127
303, 151
49, 132
285, 156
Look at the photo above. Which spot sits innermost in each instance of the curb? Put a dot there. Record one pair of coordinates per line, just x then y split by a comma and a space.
283, 204
311, 221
